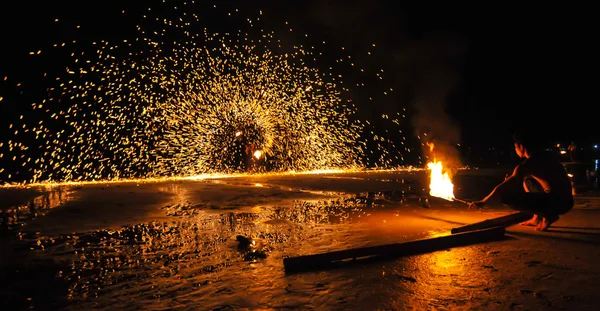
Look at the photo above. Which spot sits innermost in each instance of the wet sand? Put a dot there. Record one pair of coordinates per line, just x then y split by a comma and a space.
172, 246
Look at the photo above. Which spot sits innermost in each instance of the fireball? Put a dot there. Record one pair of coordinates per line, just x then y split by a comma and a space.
440, 184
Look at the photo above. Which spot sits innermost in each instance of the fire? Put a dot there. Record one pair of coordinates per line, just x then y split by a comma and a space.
257, 154
440, 185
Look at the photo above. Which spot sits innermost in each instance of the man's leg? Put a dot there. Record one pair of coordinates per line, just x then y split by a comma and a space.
534, 221
546, 222
531, 185
556, 207
537, 203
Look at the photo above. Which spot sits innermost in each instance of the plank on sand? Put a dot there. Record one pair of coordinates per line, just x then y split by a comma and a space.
316, 261
503, 221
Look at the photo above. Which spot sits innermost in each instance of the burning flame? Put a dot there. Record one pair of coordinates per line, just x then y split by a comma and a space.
257, 154
440, 185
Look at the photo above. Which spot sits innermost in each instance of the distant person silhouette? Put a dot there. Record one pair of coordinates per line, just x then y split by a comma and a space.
538, 185
573, 151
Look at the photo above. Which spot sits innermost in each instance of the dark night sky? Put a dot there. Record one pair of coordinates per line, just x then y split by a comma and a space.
491, 69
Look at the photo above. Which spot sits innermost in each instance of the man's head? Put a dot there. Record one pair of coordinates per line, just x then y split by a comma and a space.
526, 143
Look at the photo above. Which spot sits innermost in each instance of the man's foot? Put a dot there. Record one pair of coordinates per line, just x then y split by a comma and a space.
534, 221
545, 223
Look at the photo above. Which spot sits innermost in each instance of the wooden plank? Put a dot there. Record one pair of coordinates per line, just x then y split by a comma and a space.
503, 221
323, 260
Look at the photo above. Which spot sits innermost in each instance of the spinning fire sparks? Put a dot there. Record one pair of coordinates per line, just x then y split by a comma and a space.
180, 100
161, 108
440, 185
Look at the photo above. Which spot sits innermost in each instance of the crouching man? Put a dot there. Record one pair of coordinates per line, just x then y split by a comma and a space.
539, 185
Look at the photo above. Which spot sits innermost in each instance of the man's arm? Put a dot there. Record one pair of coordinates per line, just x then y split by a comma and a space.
507, 186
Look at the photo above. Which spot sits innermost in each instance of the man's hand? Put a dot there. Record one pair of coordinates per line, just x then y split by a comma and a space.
476, 204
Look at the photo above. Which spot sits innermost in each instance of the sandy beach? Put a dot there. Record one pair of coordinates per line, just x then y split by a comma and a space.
172, 246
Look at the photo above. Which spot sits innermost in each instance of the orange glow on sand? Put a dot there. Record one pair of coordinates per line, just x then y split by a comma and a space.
440, 184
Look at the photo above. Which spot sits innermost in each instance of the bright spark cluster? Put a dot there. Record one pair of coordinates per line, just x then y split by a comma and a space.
204, 103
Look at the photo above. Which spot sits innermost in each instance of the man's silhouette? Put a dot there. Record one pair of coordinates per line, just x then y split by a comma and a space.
539, 185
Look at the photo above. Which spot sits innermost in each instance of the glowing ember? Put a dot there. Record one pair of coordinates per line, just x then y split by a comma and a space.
440, 185
257, 154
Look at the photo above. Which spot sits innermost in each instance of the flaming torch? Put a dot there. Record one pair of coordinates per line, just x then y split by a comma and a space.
440, 184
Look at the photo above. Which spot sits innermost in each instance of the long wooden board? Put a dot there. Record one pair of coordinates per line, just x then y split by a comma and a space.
503, 221
323, 260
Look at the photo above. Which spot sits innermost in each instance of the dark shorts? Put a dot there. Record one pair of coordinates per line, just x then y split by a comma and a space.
539, 202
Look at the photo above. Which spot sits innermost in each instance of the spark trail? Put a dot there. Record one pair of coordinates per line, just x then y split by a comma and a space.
207, 102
